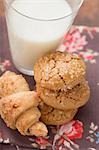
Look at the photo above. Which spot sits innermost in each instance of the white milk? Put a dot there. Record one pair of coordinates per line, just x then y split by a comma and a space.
31, 38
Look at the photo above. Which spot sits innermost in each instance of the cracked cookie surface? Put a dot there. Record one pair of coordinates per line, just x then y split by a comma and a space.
64, 100
59, 70
52, 116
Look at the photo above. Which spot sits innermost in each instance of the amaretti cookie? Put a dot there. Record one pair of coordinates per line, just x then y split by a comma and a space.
11, 83
64, 100
52, 116
59, 71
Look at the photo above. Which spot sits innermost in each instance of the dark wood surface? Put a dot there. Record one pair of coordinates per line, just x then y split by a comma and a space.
88, 14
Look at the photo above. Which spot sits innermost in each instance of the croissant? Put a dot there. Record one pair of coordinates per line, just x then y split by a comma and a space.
19, 111
11, 83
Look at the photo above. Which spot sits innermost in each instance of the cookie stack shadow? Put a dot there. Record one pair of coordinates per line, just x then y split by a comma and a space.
61, 86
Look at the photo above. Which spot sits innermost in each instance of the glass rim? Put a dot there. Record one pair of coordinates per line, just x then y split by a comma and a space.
37, 19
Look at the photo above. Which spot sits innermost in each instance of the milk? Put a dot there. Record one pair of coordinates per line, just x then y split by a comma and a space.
34, 30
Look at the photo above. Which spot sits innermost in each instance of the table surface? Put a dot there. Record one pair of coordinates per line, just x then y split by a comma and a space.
88, 14
88, 115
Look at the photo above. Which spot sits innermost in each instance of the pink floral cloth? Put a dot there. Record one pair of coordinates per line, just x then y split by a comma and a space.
82, 133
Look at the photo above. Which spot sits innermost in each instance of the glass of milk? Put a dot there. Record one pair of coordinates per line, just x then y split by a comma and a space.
36, 27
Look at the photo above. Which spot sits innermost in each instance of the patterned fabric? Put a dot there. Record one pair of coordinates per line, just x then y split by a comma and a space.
83, 132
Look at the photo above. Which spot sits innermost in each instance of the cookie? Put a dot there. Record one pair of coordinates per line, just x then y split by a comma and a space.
11, 83
59, 70
64, 100
52, 116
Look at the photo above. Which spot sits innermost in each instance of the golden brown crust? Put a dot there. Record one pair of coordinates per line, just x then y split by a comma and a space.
11, 107
38, 129
11, 83
18, 105
52, 116
19, 111
71, 99
59, 70
27, 119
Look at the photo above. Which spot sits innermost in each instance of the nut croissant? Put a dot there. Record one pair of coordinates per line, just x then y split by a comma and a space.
11, 83
19, 111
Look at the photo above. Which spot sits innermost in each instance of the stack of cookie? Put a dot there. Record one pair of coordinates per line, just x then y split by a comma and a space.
61, 85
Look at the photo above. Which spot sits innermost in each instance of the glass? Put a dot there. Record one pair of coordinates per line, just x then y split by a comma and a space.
31, 37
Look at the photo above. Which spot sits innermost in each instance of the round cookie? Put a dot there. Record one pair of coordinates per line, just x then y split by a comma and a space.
59, 70
64, 100
52, 116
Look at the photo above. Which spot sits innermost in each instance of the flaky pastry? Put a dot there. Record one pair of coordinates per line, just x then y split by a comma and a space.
11, 83
19, 111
